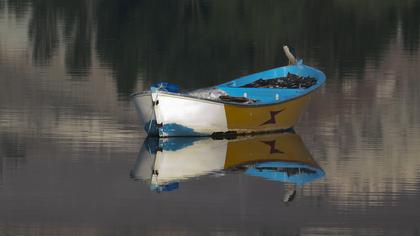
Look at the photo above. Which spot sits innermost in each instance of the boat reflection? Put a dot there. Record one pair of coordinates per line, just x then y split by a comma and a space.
280, 157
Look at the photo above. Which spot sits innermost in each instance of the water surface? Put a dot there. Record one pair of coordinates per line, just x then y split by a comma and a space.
69, 136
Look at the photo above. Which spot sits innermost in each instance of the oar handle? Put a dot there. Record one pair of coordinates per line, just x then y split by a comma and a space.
289, 55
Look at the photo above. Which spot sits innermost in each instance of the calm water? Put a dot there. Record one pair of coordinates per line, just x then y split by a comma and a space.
70, 143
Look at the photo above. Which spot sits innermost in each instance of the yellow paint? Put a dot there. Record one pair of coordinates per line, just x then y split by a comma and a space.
252, 118
286, 147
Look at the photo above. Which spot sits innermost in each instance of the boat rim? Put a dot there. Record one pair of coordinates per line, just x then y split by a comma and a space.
147, 93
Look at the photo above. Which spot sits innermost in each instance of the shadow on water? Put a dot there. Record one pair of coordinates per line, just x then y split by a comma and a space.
174, 40
164, 163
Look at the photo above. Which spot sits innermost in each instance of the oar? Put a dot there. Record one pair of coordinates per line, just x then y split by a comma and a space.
289, 55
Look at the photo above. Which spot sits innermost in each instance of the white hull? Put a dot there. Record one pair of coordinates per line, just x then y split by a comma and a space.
166, 114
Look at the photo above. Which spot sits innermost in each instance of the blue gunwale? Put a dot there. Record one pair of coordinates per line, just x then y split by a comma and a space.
263, 96
299, 179
266, 96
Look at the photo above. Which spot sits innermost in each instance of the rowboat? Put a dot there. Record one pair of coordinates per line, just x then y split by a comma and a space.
265, 101
165, 162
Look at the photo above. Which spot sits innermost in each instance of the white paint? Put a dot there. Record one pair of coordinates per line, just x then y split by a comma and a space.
202, 116
204, 157
143, 167
144, 107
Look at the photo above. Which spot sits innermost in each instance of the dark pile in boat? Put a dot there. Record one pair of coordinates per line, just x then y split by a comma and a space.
290, 81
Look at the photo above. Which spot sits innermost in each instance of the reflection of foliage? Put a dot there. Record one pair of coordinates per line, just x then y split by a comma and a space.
78, 52
348, 35
43, 31
77, 20
2, 4
411, 26
198, 43
119, 40
212, 41
18, 7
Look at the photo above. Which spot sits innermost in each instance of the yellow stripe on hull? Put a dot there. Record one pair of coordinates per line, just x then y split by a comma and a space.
269, 117
285, 147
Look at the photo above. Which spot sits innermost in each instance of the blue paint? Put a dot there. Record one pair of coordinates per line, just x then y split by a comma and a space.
165, 86
178, 143
263, 96
165, 187
151, 128
173, 129
276, 171
152, 143
268, 95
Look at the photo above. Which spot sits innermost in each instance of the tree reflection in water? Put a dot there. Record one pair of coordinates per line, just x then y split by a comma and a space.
200, 43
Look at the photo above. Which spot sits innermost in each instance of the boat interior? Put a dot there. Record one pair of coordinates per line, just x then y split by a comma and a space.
236, 88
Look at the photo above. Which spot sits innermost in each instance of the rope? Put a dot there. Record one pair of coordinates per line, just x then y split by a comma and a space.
151, 112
